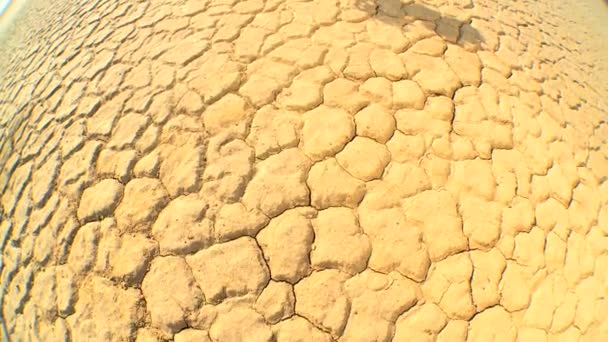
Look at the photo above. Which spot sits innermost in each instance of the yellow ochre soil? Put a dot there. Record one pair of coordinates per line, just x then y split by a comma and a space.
326, 170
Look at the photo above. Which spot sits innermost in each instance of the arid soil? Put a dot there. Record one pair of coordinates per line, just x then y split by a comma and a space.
279, 170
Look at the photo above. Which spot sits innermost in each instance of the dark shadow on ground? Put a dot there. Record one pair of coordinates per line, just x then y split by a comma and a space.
453, 28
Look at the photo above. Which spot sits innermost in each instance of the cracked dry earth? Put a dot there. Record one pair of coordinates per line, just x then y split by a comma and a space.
278, 170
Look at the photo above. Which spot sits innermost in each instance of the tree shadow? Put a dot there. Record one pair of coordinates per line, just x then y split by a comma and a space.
454, 26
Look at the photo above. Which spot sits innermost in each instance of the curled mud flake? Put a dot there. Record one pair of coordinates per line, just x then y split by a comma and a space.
279, 183
170, 306
219, 269
99, 200
142, 200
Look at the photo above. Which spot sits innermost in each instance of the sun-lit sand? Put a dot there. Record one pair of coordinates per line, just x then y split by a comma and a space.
286, 170
8, 14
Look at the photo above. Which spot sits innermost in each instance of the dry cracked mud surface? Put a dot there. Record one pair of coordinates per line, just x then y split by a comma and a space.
326, 170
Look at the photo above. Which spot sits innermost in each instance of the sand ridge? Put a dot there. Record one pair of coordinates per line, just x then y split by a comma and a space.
319, 170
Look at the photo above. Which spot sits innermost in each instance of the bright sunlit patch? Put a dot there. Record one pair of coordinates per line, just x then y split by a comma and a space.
4, 5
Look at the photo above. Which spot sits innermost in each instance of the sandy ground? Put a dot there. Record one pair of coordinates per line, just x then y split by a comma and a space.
10, 16
286, 170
